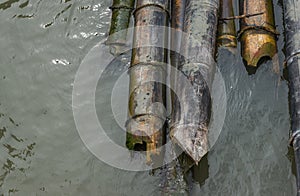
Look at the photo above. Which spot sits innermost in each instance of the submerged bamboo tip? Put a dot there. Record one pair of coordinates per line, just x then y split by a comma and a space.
192, 139
257, 46
116, 49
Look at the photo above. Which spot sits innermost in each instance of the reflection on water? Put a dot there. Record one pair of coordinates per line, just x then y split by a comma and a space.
42, 44
17, 151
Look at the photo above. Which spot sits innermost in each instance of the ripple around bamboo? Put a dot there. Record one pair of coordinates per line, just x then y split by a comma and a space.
191, 116
147, 101
292, 36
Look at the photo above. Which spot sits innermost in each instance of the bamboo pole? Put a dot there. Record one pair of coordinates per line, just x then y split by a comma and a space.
292, 37
226, 28
147, 101
258, 32
177, 22
121, 13
190, 120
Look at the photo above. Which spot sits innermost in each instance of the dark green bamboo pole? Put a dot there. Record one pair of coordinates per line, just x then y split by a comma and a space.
258, 31
226, 28
121, 13
147, 101
189, 126
292, 37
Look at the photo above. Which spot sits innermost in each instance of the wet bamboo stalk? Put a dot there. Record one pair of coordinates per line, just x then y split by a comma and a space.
191, 116
173, 172
258, 32
121, 13
292, 35
226, 28
147, 101
177, 22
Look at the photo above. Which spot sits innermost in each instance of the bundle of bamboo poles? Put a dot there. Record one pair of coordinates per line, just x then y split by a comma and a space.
191, 107
146, 123
292, 36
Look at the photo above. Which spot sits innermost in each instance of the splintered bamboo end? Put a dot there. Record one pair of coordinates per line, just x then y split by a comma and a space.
257, 46
192, 140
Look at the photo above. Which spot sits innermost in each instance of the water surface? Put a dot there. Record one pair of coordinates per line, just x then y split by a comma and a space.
42, 45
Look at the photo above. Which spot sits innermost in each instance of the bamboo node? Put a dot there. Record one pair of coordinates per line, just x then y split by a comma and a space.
152, 5
254, 27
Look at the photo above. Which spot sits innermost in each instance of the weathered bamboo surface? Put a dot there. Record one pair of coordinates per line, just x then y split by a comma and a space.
147, 101
177, 22
121, 13
292, 37
226, 28
258, 32
192, 108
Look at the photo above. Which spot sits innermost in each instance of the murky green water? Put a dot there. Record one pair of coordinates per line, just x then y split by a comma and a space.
43, 43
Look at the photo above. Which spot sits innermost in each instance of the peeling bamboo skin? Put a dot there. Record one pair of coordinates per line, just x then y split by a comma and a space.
121, 13
226, 28
189, 127
292, 35
147, 101
258, 33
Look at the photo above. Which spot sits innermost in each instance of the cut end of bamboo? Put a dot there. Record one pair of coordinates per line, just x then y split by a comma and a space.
192, 140
144, 133
257, 46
